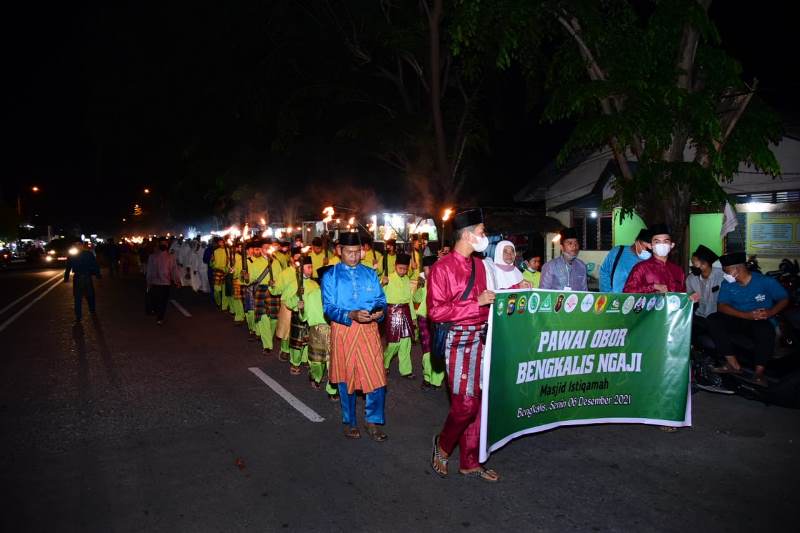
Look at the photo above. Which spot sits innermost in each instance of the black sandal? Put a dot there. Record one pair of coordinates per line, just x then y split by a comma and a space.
483, 474
375, 433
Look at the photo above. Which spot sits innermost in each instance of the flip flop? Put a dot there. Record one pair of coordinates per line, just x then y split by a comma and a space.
352, 433
725, 369
436, 455
483, 474
375, 433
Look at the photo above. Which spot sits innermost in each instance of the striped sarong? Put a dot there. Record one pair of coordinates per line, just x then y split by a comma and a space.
219, 277
357, 357
298, 332
237, 289
260, 301
398, 322
319, 343
464, 355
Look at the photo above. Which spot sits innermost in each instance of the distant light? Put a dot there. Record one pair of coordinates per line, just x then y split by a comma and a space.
124, 219
147, 191
51, 252
593, 214
49, 258
35, 188
73, 251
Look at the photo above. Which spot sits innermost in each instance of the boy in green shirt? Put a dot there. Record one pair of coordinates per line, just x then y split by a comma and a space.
267, 300
400, 316
292, 298
432, 373
319, 338
532, 267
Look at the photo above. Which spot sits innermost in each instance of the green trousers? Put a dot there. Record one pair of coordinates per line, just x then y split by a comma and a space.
250, 316
403, 351
265, 327
429, 375
317, 369
285, 345
218, 295
227, 303
298, 356
237, 307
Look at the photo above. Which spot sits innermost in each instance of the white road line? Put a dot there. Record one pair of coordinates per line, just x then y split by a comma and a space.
16, 315
181, 308
290, 398
18, 300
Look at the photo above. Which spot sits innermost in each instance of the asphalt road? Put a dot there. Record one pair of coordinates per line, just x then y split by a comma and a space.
120, 425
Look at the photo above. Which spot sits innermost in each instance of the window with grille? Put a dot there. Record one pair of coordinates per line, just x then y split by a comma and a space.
594, 228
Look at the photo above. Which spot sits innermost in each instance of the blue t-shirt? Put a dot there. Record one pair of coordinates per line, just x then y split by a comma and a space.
763, 292
627, 261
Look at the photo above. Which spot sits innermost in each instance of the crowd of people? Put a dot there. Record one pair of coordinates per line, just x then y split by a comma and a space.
345, 310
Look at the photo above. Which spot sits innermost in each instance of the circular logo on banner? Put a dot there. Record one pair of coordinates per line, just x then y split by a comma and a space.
587, 303
571, 303
628, 305
533, 302
600, 304
659, 302
499, 307
521, 303
651, 303
640, 303
673, 303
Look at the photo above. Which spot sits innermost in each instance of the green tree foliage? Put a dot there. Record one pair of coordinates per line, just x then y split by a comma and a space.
648, 80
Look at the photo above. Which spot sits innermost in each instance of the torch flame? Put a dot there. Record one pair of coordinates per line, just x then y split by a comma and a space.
263, 222
328, 212
305, 249
557, 238
352, 220
447, 213
246, 231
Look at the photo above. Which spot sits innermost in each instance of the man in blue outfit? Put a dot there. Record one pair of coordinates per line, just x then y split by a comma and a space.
84, 265
620, 261
747, 301
353, 300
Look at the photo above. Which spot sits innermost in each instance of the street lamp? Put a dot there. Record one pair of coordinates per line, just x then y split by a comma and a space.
146, 191
35, 189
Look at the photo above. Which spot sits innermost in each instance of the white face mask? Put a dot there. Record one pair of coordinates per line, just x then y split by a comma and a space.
729, 278
480, 243
662, 249
644, 255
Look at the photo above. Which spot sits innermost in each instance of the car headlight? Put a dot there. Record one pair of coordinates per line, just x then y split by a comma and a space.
73, 251
48, 258
51, 252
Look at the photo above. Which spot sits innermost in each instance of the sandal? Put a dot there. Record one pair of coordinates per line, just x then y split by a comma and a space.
375, 433
333, 397
315, 385
761, 381
352, 433
668, 429
410, 377
438, 460
283, 357
294, 370
483, 474
266, 352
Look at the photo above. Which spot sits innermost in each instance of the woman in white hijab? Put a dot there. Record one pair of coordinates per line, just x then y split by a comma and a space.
502, 273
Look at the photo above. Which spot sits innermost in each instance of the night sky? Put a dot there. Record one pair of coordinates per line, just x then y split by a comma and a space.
109, 98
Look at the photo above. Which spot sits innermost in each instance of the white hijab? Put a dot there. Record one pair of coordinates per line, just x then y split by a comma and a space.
499, 274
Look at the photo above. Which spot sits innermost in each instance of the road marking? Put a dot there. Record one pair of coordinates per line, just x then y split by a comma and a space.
290, 398
16, 315
181, 308
18, 300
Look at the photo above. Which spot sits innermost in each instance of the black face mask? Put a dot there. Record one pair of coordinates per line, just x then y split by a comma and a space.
694, 270
162, 247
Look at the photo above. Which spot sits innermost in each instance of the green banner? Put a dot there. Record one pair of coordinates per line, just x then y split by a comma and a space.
556, 358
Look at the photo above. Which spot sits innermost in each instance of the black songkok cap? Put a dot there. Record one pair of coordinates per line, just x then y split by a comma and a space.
253, 243
285, 244
350, 238
316, 241
705, 254
465, 219
424, 236
530, 253
403, 259
734, 258
307, 260
429, 260
321, 270
659, 229
296, 250
568, 233
644, 235
393, 242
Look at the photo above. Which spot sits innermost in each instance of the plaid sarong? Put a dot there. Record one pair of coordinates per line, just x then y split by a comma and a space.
237, 289
273, 306
260, 295
319, 343
298, 332
219, 277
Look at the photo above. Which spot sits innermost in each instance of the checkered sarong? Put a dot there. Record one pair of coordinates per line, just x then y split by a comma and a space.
219, 277
237, 289
298, 332
273, 304
260, 295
